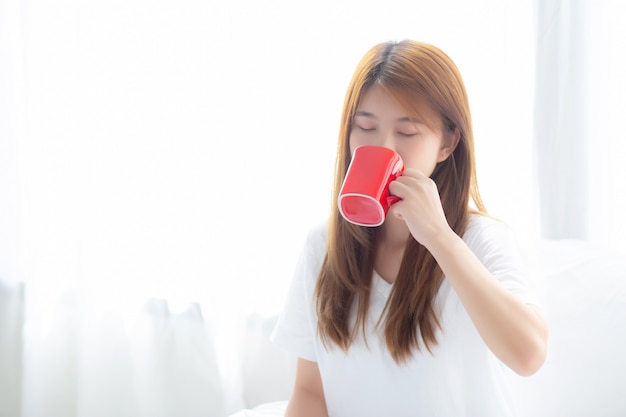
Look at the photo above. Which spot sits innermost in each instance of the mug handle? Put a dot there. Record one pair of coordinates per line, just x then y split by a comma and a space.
392, 199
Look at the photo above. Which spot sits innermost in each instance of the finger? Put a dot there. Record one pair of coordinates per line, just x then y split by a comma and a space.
399, 188
406, 184
413, 173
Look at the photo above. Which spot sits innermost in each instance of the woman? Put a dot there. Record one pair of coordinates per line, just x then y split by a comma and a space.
418, 316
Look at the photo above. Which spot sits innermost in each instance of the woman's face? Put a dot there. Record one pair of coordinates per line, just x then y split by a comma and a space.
380, 120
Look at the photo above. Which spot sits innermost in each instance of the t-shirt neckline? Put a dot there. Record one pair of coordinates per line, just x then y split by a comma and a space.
379, 284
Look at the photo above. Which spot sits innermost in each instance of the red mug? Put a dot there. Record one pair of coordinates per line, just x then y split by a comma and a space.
364, 197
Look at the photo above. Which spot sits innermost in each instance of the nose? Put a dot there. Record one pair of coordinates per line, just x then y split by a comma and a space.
387, 139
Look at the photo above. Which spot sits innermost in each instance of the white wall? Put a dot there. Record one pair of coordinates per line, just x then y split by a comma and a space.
184, 149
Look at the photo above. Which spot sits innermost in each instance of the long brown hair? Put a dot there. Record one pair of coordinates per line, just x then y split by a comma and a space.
411, 71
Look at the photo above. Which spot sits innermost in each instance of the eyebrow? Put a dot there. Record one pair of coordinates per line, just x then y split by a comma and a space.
364, 113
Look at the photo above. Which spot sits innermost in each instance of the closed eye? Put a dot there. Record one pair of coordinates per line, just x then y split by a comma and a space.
367, 129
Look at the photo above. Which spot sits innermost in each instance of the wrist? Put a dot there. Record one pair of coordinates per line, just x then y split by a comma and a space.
443, 241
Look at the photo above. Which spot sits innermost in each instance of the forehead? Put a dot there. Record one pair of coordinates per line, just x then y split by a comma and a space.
381, 102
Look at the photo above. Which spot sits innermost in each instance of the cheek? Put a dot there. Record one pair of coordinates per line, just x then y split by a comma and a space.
358, 138
353, 142
423, 158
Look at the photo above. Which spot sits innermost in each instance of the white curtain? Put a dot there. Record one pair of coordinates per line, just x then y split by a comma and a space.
161, 162
580, 101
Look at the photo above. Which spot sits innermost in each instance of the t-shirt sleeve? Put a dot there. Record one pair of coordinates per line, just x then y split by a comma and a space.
295, 330
501, 251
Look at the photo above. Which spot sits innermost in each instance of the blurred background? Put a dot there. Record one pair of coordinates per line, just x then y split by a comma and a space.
161, 163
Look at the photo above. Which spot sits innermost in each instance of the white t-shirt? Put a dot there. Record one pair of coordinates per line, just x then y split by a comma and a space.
461, 377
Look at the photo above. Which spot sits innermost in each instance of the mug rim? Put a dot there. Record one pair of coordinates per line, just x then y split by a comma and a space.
381, 210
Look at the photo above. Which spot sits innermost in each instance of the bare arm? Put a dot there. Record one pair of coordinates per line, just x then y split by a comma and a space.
307, 398
515, 332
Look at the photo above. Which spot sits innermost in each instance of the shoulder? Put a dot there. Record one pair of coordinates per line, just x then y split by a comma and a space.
491, 240
312, 254
483, 230
316, 240
318, 233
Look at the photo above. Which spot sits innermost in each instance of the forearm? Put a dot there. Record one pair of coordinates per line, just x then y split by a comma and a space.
515, 332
